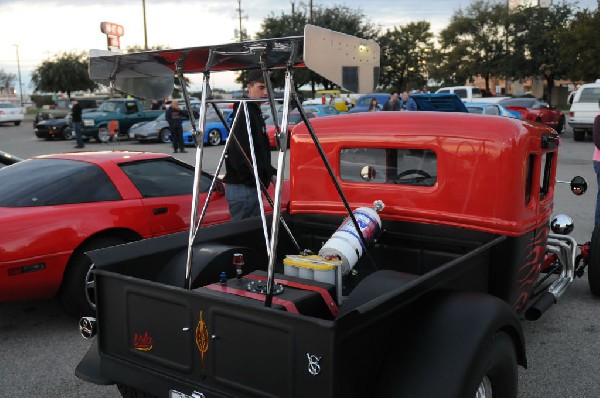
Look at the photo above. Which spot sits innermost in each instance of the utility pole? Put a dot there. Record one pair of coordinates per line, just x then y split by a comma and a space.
19, 71
241, 32
145, 29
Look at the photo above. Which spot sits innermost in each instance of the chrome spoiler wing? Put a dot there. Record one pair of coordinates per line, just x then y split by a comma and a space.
347, 61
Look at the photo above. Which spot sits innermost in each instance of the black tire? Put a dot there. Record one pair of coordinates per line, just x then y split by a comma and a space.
164, 135
214, 137
579, 135
560, 127
593, 268
495, 369
130, 392
17, 123
72, 293
66, 133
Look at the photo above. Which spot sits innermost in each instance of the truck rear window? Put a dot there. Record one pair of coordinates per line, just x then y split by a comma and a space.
590, 95
389, 166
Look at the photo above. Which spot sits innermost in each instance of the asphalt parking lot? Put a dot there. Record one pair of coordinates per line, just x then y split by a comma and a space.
40, 346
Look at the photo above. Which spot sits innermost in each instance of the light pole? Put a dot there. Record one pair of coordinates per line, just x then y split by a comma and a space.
145, 30
19, 71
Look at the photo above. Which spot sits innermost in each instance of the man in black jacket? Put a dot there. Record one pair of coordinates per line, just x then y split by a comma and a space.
175, 117
241, 191
76, 111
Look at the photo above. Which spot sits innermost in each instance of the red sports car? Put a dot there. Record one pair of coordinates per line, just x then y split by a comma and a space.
54, 208
538, 111
293, 119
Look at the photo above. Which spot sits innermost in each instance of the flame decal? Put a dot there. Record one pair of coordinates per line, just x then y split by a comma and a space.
534, 255
202, 337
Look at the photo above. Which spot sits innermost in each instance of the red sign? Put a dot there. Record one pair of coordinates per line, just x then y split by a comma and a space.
113, 41
112, 29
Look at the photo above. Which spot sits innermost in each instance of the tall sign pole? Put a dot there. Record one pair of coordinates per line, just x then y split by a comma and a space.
19, 71
145, 30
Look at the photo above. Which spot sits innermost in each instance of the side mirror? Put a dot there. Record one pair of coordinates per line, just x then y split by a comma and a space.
578, 185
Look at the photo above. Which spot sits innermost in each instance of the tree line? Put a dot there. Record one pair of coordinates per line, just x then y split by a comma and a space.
485, 39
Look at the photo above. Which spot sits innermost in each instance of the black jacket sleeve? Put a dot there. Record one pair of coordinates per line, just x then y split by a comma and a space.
596, 131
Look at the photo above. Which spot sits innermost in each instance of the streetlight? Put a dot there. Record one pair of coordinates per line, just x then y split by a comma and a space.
145, 30
19, 70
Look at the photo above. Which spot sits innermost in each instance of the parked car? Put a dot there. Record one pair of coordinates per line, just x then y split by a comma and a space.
294, 118
442, 102
10, 113
321, 110
465, 93
57, 128
62, 108
584, 109
154, 130
491, 109
216, 132
6, 159
536, 110
362, 104
54, 208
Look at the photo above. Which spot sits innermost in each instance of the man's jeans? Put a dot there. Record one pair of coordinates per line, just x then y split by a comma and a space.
243, 201
77, 129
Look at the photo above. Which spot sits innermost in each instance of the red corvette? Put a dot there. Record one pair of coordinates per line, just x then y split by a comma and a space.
54, 208
538, 111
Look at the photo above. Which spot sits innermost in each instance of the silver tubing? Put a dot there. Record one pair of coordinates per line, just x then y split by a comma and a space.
282, 137
565, 247
197, 179
256, 177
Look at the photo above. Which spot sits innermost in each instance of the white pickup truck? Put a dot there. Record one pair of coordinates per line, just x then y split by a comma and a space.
469, 94
584, 109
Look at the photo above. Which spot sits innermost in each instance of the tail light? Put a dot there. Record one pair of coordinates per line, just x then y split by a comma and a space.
571, 114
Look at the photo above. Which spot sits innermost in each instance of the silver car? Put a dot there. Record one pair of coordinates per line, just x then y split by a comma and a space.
154, 130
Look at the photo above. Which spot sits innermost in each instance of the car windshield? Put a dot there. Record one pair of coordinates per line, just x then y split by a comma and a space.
475, 109
293, 118
109, 106
50, 182
7, 105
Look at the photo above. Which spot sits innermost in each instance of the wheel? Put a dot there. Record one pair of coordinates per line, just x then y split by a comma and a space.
561, 125
130, 392
214, 137
593, 268
578, 135
164, 135
66, 133
103, 135
17, 123
495, 369
77, 284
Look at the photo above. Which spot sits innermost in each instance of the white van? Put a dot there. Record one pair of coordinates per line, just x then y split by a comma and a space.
584, 109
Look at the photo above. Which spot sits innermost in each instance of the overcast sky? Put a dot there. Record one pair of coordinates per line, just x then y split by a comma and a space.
42, 29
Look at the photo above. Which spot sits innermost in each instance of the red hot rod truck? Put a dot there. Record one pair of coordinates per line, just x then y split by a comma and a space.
409, 248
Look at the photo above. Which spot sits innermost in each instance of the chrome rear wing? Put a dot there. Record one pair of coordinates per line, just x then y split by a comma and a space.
349, 62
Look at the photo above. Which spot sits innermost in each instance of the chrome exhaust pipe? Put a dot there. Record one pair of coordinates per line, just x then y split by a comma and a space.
87, 327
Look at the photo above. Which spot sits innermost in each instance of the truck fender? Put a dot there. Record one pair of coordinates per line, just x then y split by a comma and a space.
437, 355
88, 368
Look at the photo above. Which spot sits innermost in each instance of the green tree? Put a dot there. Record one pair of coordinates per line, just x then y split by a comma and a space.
579, 46
67, 72
536, 45
474, 43
6, 79
406, 52
338, 18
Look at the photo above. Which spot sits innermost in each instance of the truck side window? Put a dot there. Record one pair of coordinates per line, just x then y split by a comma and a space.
462, 93
545, 171
131, 108
390, 166
529, 180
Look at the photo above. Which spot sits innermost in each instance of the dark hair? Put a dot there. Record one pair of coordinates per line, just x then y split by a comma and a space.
394, 92
255, 76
